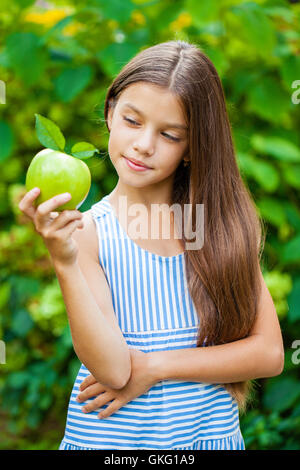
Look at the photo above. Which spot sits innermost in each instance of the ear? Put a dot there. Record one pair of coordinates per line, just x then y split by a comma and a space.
186, 156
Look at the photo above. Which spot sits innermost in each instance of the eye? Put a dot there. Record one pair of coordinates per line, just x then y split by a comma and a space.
131, 121
175, 139
134, 123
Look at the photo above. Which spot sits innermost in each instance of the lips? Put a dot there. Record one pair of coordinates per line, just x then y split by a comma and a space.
138, 163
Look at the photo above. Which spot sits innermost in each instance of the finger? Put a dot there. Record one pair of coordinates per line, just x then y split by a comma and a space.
98, 402
66, 232
26, 203
65, 218
89, 392
45, 208
89, 380
53, 215
112, 408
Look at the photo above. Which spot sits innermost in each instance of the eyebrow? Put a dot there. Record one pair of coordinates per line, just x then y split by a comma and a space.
167, 124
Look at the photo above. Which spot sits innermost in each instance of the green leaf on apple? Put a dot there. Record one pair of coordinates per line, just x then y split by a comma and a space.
49, 133
83, 150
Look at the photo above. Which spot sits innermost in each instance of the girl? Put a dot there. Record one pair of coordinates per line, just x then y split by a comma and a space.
142, 309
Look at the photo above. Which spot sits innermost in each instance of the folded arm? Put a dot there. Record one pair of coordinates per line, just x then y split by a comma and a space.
259, 355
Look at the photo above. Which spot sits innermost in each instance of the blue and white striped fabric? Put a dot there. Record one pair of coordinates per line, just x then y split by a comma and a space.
155, 312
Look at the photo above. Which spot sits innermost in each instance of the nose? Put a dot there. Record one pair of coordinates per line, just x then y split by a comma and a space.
144, 143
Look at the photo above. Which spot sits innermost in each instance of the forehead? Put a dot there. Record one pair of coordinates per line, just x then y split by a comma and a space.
153, 100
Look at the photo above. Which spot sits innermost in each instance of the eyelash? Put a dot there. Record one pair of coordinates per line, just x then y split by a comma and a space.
174, 139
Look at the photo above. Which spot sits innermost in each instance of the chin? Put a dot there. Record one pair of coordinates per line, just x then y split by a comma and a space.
133, 183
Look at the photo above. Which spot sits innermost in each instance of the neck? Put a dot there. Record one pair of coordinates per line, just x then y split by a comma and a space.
144, 196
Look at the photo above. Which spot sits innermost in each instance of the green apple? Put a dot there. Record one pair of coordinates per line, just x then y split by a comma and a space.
55, 172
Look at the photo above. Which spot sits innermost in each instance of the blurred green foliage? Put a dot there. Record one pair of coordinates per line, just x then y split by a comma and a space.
58, 60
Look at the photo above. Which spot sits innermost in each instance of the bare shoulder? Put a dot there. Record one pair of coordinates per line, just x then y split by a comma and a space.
87, 241
86, 237
88, 219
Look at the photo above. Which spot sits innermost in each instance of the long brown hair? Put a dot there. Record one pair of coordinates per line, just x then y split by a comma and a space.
223, 276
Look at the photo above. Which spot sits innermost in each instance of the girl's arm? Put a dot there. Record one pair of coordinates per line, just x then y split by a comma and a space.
97, 339
259, 355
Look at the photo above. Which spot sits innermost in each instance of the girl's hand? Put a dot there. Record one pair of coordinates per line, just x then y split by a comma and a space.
142, 378
55, 228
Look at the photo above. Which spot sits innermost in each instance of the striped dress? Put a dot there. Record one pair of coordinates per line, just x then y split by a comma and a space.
155, 312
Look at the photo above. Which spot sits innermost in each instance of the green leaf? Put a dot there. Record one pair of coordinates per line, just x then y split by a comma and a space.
203, 12
293, 215
139, 37
26, 56
18, 379
25, 3
281, 393
272, 210
255, 27
45, 401
291, 251
286, 14
35, 416
73, 367
246, 163
294, 302
83, 150
21, 323
116, 9
268, 100
115, 56
242, 81
276, 147
168, 12
49, 133
23, 287
72, 81
290, 70
266, 175
292, 175
5, 289
65, 340
263, 172
6, 140
50, 377
56, 29
218, 58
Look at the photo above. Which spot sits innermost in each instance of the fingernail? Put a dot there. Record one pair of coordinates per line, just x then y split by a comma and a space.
35, 190
67, 196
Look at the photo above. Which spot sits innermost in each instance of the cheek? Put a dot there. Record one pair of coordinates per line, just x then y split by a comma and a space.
174, 155
111, 147
113, 143
118, 137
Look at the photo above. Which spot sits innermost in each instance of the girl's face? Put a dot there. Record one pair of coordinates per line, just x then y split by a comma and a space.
147, 125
